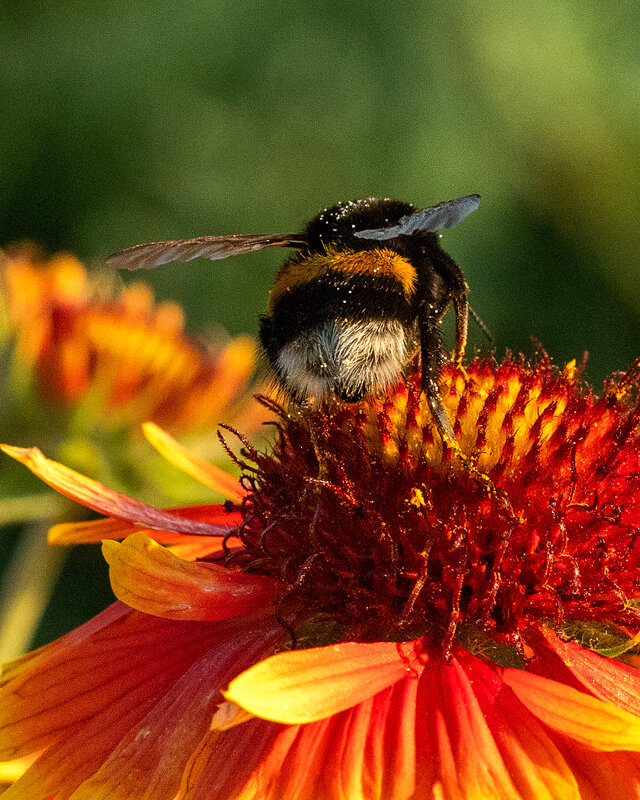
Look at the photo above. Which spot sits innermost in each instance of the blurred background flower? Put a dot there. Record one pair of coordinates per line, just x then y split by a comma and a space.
85, 363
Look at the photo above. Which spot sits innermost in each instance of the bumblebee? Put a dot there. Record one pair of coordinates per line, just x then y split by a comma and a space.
367, 287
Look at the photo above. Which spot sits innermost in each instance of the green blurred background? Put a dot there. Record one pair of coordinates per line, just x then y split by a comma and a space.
129, 121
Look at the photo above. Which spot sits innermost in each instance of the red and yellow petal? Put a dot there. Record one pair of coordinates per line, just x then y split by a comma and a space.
474, 739
187, 546
192, 548
203, 471
597, 724
150, 578
606, 678
19, 666
308, 685
364, 753
605, 775
126, 695
149, 760
94, 495
10, 771
48, 697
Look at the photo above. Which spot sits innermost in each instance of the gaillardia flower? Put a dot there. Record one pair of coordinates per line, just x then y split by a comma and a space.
370, 615
126, 358
86, 361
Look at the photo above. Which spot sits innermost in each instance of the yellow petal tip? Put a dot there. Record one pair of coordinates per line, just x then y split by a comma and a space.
19, 453
150, 428
109, 549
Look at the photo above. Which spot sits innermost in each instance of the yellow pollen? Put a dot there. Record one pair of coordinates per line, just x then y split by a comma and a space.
569, 370
417, 498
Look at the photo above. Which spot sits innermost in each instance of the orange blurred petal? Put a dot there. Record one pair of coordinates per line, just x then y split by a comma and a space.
203, 471
235, 364
94, 495
590, 721
67, 277
211, 393
137, 299
169, 317
64, 370
149, 578
307, 685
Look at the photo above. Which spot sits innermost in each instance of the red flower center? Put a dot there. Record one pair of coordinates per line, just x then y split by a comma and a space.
371, 524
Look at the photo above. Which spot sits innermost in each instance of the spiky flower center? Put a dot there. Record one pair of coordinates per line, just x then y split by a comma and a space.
369, 522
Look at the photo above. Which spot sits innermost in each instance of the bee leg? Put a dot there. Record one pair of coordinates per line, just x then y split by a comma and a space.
431, 354
461, 306
315, 433
458, 289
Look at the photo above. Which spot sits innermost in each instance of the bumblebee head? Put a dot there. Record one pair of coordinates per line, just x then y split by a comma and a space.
363, 224
339, 224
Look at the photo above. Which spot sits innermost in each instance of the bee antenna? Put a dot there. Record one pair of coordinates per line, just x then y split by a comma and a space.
479, 322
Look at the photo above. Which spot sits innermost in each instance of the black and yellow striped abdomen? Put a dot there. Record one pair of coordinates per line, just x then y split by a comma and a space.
381, 268
340, 321
341, 284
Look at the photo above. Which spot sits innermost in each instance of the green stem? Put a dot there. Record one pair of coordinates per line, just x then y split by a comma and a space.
29, 580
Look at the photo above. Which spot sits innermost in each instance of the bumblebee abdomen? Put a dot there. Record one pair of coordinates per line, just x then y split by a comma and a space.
348, 358
341, 321
335, 269
349, 286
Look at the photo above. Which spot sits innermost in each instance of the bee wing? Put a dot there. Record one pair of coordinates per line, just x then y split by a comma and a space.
153, 254
432, 219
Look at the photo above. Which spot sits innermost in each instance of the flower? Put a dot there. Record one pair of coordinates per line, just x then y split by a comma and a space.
87, 361
372, 614
86, 342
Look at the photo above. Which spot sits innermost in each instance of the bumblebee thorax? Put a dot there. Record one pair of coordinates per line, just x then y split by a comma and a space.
337, 225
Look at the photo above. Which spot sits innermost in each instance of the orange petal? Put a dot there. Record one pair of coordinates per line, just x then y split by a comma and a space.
10, 771
150, 758
236, 764
131, 661
606, 678
111, 615
533, 762
602, 775
203, 471
94, 495
150, 578
97, 530
367, 751
600, 725
102, 702
307, 685
474, 739
193, 548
